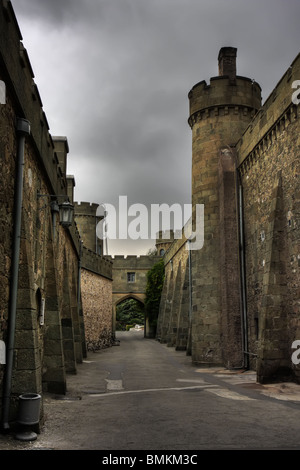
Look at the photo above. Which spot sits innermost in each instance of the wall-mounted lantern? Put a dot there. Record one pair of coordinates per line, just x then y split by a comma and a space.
65, 209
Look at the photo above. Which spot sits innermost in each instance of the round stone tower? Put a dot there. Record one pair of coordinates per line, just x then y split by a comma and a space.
163, 241
86, 219
219, 114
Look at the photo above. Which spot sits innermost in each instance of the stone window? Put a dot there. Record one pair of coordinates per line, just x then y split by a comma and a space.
130, 277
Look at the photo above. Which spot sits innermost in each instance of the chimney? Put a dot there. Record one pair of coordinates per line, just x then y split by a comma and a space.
227, 62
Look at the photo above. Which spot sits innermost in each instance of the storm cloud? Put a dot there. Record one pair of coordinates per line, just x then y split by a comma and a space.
114, 76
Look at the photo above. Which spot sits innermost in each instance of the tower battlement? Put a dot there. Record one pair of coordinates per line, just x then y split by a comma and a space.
87, 219
86, 208
225, 90
222, 92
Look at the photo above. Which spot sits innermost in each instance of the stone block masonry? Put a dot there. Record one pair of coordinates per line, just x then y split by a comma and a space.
96, 297
244, 282
174, 319
41, 314
270, 170
130, 280
219, 114
35, 325
86, 219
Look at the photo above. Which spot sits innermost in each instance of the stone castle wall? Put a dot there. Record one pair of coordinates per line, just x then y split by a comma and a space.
97, 307
217, 308
96, 295
174, 319
244, 282
219, 114
139, 265
38, 365
130, 280
270, 167
45, 314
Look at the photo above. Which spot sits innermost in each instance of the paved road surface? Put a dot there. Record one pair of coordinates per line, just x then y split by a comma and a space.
142, 395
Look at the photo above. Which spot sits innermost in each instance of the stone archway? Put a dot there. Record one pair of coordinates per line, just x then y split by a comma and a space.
130, 281
118, 298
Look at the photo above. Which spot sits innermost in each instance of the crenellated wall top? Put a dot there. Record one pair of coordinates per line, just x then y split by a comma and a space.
18, 76
274, 116
96, 263
223, 92
134, 261
86, 208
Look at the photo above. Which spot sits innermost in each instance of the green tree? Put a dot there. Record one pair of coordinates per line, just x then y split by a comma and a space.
129, 312
155, 281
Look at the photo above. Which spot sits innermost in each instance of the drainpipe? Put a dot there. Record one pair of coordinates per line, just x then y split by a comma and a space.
189, 346
79, 295
79, 275
243, 276
23, 129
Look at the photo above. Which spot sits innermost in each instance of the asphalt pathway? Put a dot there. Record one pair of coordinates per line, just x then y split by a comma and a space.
142, 395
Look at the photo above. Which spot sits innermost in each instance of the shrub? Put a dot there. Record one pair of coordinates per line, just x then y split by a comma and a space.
155, 281
130, 311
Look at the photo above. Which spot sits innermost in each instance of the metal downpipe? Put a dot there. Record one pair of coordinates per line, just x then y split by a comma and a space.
23, 129
243, 278
189, 341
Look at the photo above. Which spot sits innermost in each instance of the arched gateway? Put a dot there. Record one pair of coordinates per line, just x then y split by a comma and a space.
130, 280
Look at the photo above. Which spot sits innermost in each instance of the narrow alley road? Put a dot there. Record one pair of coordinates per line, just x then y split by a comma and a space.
142, 395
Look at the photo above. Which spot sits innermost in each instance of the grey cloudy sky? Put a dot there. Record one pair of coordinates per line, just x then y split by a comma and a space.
114, 76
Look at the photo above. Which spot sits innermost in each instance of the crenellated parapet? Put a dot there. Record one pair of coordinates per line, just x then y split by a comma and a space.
86, 218
86, 208
224, 96
133, 262
274, 117
18, 76
95, 263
